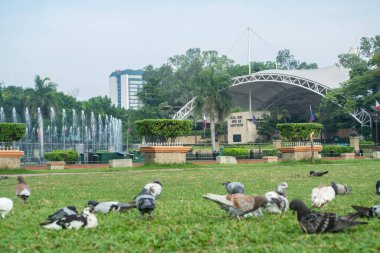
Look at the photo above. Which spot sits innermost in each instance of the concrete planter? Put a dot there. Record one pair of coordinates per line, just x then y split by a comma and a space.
348, 156
165, 154
10, 159
297, 153
270, 159
120, 163
376, 154
226, 160
56, 165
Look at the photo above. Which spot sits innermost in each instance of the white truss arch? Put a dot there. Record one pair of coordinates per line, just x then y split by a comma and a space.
297, 78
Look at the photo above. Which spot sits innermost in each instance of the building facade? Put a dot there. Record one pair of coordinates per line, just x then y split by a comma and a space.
124, 86
242, 126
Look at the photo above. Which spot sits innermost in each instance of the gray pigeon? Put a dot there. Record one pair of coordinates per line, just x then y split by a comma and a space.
368, 212
107, 207
234, 187
341, 189
319, 222
3, 177
63, 212
378, 187
317, 173
145, 202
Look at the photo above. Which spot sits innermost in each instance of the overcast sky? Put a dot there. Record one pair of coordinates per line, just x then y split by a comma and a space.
79, 43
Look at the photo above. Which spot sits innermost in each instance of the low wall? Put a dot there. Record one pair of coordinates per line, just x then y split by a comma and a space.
300, 153
10, 159
120, 163
165, 154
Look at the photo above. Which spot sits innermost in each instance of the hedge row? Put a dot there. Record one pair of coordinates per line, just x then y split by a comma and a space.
11, 131
299, 131
336, 149
161, 129
367, 144
236, 152
68, 155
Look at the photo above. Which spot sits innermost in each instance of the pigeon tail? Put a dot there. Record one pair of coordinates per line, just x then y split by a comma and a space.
220, 199
343, 224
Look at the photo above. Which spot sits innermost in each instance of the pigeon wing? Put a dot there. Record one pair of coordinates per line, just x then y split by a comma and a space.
242, 202
318, 222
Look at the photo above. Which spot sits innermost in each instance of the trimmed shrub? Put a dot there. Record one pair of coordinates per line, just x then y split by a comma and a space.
236, 152
337, 150
161, 129
299, 131
11, 131
68, 155
270, 152
366, 145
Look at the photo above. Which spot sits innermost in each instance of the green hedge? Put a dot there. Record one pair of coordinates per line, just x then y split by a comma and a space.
236, 152
299, 131
11, 131
367, 144
337, 150
161, 129
68, 155
270, 152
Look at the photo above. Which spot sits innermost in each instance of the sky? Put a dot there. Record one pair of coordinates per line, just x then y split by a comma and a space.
78, 44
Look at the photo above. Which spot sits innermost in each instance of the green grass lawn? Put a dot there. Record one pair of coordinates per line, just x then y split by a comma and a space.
185, 222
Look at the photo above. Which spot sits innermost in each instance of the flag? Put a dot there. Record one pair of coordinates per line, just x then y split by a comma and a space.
204, 122
253, 119
311, 116
377, 106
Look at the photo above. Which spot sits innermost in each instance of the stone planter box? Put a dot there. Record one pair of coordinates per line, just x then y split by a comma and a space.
120, 163
270, 159
376, 154
10, 159
226, 160
56, 165
348, 156
165, 154
300, 153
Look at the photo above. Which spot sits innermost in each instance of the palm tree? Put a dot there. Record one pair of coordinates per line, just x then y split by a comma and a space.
213, 96
42, 96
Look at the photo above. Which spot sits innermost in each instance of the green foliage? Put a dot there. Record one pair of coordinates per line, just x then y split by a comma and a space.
236, 152
337, 150
299, 131
367, 144
161, 129
270, 152
11, 131
286, 60
68, 155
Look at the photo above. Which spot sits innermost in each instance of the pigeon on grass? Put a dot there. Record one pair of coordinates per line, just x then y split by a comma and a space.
145, 202
22, 189
341, 189
154, 188
322, 195
74, 221
277, 200
6, 206
369, 212
378, 187
107, 207
312, 222
63, 212
3, 177
317, 173
237, 204
233, 187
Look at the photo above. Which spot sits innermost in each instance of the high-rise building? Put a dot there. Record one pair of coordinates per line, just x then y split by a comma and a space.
124, 86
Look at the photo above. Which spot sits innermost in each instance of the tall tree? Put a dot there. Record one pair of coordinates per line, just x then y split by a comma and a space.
286, 60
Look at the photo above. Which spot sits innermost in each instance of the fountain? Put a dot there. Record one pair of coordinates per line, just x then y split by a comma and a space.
40, 131
14, 115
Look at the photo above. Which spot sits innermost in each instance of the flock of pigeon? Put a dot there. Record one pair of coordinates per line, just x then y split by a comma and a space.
69, 218
235, 203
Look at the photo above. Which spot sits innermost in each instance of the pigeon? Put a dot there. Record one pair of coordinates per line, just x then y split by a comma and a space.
378, 187
277, 200
321, 195
155, 188
234, 187
3, 177
107, 207
319, 222
368, 212
74, 221
341, 189
22, 189
63, 212
237, 204
317, 173
145, 202
6, 206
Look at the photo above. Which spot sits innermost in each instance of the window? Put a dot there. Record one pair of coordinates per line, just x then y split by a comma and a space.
236, 138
